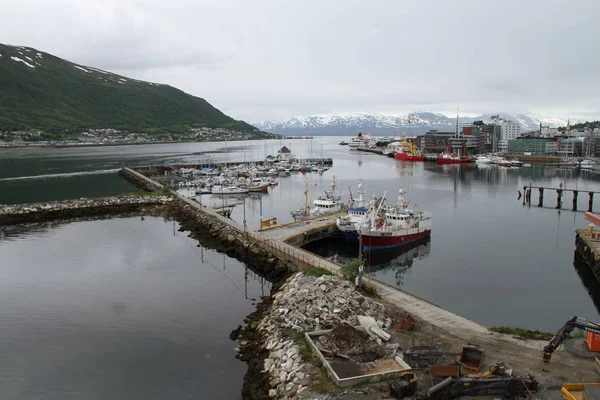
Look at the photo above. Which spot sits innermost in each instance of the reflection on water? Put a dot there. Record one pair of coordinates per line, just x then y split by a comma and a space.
487, 243
397, 264
125, 308
588, 279
389, 266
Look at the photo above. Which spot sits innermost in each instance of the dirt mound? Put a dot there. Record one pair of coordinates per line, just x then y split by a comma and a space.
357, 344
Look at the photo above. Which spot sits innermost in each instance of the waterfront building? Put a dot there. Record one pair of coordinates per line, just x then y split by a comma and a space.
509, 130
533, 145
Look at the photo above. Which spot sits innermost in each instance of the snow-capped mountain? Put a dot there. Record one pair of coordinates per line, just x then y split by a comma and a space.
381, 124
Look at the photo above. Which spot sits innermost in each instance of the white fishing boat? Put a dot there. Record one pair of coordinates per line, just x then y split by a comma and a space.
328, 203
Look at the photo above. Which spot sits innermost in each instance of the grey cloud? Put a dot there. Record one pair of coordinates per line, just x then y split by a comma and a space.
270, 59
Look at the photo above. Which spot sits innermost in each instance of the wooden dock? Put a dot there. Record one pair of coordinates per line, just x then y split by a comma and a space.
560, 191
587, 244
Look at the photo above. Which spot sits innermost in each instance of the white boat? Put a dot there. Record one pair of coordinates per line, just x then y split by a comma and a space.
220, 189
324, 204
357, 212
329, 203
483, 160
568, 162
356, 141
516, 163
499, 160
588, 164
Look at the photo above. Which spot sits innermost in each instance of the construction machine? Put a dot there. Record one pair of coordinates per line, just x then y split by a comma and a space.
561, 335
512, 387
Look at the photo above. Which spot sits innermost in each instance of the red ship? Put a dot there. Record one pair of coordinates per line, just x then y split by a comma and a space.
409, 154
394, 226
451, 158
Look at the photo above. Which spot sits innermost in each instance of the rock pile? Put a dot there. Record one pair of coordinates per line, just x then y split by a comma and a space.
306, 303
83, 203
19, 213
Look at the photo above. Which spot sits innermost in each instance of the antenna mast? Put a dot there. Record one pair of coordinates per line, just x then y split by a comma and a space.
457, 133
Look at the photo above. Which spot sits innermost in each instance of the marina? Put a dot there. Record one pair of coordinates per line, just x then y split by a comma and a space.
449, 192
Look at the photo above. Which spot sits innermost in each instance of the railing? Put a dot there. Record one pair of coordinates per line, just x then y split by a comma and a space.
279, 249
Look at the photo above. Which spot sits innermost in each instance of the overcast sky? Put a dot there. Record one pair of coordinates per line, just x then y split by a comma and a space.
262, 59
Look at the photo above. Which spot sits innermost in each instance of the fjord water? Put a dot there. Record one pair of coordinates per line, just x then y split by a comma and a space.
119, 309
490, 258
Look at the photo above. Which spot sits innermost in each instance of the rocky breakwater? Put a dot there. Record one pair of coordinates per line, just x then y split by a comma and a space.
140, 180
38, 212
215, 233
270, 342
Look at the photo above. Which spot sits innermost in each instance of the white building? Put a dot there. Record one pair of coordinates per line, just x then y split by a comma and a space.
509, 130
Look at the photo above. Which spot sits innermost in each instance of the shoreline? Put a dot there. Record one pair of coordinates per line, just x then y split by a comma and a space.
68, 146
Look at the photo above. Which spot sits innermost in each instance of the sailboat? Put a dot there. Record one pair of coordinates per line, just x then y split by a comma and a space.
589, 163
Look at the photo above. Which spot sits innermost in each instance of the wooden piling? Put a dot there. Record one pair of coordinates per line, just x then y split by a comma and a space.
559, 194
575, 193
524, 194
591, 201
541, 200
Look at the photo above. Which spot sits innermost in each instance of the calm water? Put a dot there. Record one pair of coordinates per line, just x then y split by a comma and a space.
119, 309
490, 258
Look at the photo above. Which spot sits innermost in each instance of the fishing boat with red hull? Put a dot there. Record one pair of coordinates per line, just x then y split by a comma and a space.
394, 226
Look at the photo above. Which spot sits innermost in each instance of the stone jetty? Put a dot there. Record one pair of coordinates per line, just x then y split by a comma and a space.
35, 212
303, 303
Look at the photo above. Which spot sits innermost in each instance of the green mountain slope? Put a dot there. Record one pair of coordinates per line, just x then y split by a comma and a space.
39, 91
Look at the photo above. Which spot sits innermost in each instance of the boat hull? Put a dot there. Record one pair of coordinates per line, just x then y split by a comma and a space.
408, 157
376, 241
262, 188
349, 235
445, 161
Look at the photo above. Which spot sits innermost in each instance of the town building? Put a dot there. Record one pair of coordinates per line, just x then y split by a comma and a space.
534, 145
434, 141
509, 130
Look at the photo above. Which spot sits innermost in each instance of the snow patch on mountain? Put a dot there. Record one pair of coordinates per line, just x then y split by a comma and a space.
17, 59
82, 69
378, 123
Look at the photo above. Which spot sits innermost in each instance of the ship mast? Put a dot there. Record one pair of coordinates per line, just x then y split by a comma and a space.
306, 195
